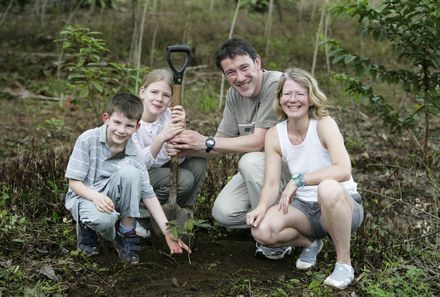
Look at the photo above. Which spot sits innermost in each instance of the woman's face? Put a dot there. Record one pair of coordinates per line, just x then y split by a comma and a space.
294, 100
156, 97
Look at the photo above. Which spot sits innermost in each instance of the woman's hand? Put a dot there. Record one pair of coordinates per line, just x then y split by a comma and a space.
176, 246
287, 196
254, 217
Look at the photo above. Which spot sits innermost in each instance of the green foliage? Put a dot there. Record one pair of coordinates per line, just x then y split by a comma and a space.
396, 279
412, 27
93, 79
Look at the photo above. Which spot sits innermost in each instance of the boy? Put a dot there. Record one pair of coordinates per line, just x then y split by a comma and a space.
107, 179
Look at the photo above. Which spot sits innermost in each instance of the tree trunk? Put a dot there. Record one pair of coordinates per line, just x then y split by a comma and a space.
231, 31
268, 29
317, 40
156, 10
139, 12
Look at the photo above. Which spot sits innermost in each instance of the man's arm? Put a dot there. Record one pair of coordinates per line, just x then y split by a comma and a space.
191, 142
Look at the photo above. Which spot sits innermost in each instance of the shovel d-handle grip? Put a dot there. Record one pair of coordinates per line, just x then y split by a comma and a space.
178, 71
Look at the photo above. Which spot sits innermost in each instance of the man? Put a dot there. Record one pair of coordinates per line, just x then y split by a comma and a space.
247, 116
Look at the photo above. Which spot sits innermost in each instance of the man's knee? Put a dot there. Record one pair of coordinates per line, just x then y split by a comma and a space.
252, 164
262, 234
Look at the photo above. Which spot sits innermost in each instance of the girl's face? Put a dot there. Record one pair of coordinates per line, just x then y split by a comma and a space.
156, 97
294, 100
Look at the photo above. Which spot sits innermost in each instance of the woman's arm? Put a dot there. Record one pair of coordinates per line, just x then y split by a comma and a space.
272, 175
331, 138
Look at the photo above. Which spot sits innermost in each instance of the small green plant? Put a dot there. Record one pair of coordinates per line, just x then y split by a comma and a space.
396, 279
92, 78
188, 230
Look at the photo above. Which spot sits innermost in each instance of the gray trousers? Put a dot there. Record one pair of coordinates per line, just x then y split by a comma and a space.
189, 184
241, 193
124, 188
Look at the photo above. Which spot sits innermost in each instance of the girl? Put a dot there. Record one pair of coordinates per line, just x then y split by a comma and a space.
158, 125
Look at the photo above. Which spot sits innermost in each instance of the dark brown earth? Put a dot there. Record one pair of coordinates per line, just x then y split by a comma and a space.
221, 265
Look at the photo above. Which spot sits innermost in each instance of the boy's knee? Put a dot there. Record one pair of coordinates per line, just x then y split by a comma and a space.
104, 221
129, 173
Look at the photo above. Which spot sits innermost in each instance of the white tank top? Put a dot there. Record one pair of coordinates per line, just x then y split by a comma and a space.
308, 156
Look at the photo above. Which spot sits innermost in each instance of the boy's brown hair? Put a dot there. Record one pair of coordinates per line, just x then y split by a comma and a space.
130, 105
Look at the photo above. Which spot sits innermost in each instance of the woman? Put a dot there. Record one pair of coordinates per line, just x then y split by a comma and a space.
321, 198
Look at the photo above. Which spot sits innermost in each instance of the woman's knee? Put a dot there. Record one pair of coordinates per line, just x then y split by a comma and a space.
330, 192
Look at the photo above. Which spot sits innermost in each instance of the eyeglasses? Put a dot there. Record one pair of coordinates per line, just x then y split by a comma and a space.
296, 95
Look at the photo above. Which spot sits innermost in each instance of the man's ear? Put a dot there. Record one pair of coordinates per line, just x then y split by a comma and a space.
105, 117
258, 62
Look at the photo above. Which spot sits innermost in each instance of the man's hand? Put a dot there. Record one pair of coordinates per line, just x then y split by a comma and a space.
190, 140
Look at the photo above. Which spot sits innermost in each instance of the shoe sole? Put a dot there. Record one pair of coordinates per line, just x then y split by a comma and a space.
261, 255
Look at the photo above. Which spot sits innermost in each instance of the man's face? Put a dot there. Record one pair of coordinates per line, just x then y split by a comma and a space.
243, 74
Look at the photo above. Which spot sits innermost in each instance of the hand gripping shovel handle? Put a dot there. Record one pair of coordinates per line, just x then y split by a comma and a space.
177, 91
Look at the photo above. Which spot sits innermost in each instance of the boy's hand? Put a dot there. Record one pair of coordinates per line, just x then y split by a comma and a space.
103, 203
176, 245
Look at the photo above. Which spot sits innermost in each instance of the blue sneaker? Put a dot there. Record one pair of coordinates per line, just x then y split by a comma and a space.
341, 276
128, 246
308, 255
273, 253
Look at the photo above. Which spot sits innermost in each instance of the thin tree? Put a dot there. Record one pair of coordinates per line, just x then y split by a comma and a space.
268, 28
231, 31
2, 19
155, 11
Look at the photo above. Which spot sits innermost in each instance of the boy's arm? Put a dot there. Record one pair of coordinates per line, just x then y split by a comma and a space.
155, 209
102, 202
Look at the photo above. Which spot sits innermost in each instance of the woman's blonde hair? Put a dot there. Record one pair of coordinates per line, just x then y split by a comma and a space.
158, 75
317, 98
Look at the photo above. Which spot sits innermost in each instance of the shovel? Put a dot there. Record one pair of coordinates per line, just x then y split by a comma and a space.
171, 209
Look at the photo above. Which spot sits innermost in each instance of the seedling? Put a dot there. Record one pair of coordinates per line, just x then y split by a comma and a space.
188, 230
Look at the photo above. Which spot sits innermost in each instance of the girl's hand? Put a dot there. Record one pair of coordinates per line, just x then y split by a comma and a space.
176, 245
178, 115
170, 130
286, 197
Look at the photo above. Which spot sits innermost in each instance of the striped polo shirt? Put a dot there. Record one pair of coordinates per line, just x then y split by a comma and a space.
91, 161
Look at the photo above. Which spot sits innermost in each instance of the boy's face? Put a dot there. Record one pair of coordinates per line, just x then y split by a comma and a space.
119, 128
243, 74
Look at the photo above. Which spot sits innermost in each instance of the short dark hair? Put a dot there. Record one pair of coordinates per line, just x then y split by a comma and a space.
130, 105
233, 47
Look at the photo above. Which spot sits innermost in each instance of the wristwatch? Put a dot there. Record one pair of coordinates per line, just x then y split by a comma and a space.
298, 179
210, 143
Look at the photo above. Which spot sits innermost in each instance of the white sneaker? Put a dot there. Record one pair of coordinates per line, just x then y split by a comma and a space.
308, 255
273, 253
141, 231
341, 276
